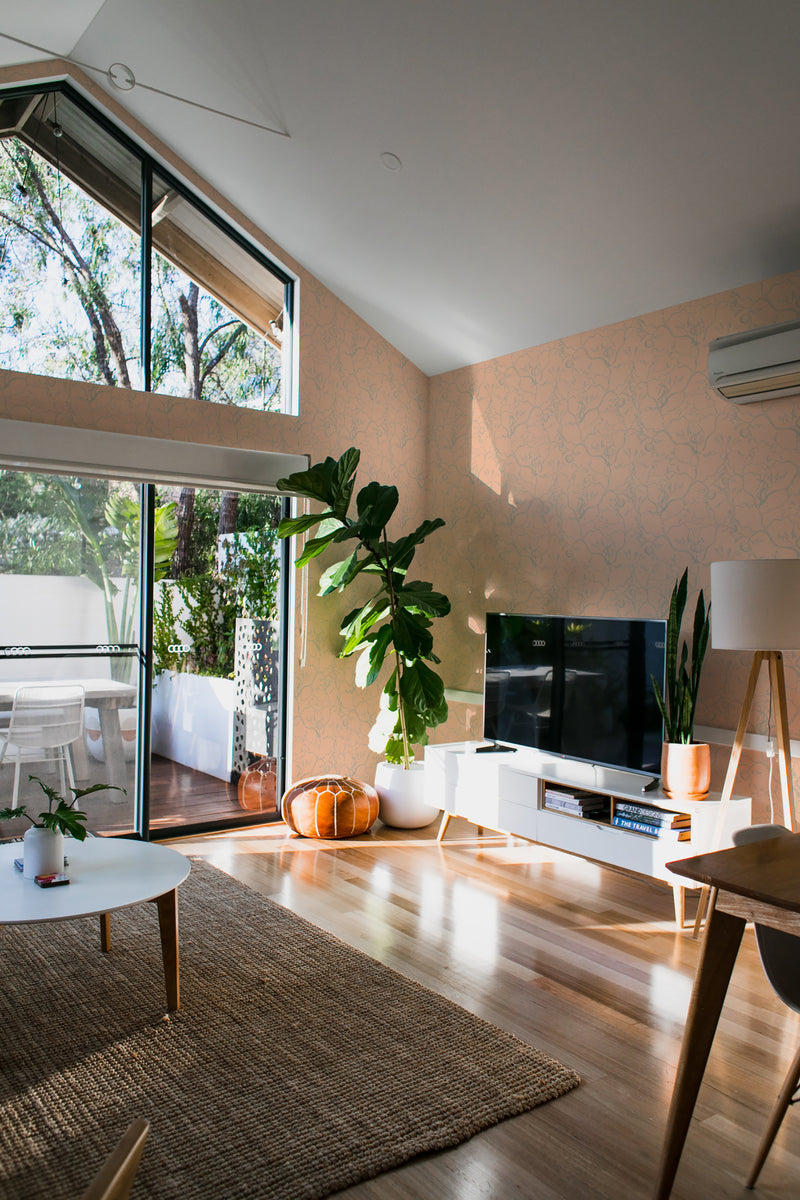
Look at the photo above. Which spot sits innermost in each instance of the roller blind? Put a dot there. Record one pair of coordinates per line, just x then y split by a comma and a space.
66, 450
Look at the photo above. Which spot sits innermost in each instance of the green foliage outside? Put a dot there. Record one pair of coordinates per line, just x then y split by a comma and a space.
200, 609
70, 305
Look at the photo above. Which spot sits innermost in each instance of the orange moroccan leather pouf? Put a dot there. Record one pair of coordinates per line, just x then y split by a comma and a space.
258, 786
329, 806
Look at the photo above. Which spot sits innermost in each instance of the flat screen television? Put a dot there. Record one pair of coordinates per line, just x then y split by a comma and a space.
579, 687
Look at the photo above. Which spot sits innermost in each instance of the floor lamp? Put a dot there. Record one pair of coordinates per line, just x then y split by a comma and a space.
755, 606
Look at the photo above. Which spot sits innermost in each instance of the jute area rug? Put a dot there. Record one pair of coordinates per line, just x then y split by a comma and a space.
296, 1066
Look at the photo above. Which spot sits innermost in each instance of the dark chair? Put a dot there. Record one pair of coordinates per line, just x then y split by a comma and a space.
780, 958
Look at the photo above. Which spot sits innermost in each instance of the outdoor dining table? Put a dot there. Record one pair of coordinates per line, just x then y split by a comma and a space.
107, 696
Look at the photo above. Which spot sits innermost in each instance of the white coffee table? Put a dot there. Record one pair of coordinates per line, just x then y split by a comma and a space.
105, 874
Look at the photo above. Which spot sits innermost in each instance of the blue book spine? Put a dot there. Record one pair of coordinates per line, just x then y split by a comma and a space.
637, 826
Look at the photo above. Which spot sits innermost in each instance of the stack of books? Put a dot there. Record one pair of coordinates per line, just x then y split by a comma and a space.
577, 802
655, 822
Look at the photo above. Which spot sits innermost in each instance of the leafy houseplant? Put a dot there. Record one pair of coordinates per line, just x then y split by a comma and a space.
682, 680
65, 817
685, 764
395, 622
43, 851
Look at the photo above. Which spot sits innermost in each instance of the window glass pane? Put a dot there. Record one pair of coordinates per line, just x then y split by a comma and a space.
217, 312
69, 616
215, 660
69, 245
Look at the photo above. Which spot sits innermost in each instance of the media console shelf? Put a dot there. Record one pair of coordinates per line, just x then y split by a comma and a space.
504, 791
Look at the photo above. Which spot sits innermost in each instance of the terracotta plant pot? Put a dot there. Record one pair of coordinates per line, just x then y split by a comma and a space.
685, 770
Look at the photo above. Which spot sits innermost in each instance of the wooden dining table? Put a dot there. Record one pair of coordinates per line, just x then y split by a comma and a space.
758, 881
107, 696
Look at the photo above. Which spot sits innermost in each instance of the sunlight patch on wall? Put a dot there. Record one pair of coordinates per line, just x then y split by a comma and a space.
485, 463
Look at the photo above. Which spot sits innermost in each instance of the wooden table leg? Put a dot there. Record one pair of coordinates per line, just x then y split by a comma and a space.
168, 925
723, 936
105, 932
443, 827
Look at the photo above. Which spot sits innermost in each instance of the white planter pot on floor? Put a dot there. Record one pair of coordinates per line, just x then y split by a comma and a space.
402, 796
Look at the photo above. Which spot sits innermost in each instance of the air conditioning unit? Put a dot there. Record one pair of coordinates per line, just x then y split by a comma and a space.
761, 364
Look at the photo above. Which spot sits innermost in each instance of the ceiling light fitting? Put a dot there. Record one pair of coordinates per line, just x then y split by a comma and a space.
391, 161
121, 77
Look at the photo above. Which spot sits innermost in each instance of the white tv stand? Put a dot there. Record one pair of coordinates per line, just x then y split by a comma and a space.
504, 791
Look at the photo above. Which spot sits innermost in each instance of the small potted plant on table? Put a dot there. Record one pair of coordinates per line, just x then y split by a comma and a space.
43, 843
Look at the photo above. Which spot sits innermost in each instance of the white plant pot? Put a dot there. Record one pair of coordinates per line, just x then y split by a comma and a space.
402, 796
42, 852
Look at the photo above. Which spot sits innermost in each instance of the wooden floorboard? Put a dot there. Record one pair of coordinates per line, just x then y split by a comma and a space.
580, 961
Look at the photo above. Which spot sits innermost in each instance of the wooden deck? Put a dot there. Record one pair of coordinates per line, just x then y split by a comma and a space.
179, 798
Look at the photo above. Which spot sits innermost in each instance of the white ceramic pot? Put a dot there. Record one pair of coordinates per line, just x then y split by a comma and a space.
42, 852
402, 796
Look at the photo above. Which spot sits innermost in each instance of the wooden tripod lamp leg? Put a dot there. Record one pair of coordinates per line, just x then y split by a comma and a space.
730, 776
778, 682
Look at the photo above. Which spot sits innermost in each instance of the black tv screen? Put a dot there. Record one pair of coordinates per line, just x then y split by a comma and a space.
576, 686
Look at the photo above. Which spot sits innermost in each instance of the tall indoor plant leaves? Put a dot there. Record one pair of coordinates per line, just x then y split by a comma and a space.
678, 702
392, 627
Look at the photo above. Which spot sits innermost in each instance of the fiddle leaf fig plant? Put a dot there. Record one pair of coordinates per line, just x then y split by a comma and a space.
394, 624
682, 677
61, 816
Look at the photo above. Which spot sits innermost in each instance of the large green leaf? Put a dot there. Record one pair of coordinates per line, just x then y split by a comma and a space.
377, 651
358, 623
423, 690
344, 481
420, 597
313, 548
320, 482
290, 526
165, 537
338, 575
412, 635
402, 551
375, 504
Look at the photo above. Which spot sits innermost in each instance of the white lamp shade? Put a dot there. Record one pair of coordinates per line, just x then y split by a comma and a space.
755, 604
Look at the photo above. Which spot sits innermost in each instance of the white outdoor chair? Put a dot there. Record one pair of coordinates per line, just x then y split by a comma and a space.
45, 720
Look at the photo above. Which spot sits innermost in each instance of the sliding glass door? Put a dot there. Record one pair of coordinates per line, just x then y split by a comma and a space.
162, 610
69, 599
216, 697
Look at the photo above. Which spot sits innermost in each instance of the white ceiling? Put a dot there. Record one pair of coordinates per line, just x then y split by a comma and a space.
566, 163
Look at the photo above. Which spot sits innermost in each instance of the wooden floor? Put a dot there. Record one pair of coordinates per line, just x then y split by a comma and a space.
580, 961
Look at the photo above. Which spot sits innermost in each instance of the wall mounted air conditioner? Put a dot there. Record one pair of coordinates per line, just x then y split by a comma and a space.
761, 364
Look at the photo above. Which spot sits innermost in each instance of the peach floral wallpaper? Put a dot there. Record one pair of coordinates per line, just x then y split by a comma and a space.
584, 475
